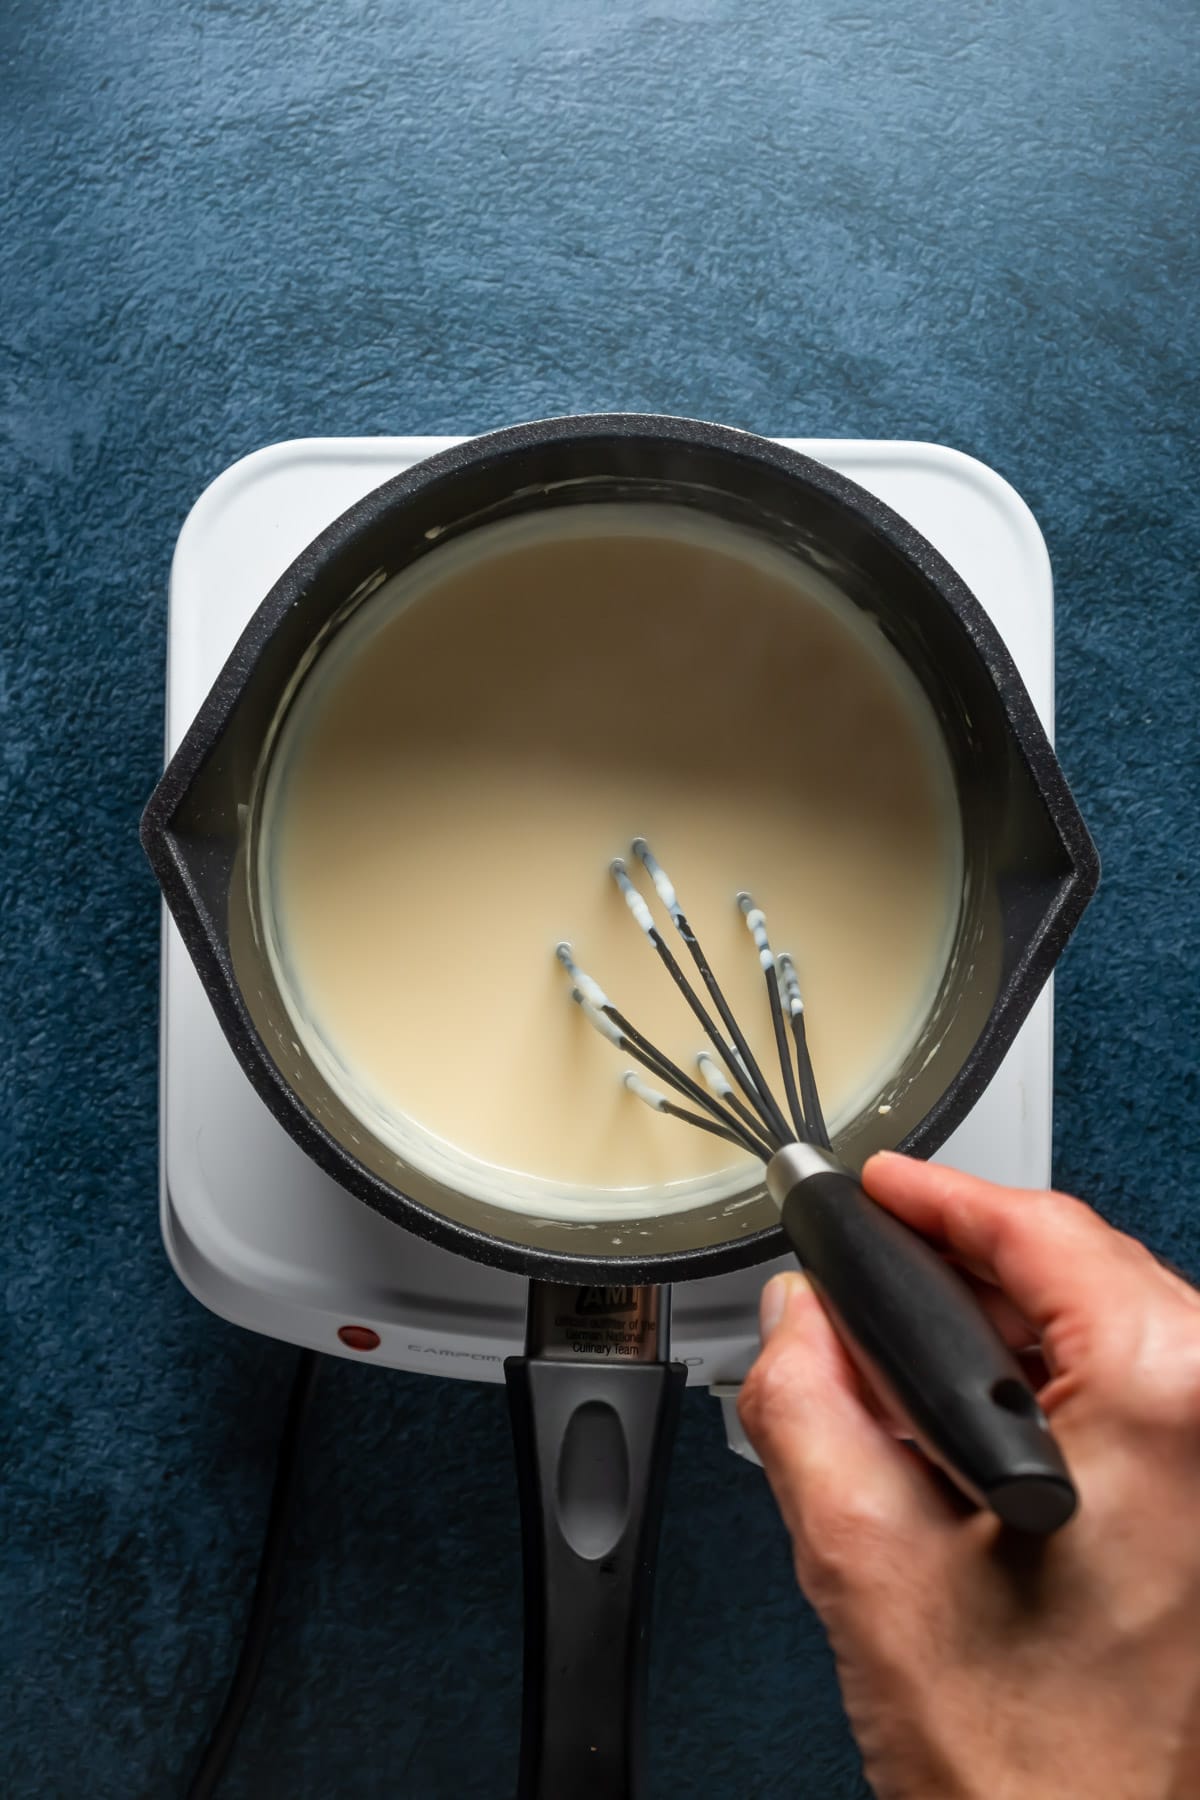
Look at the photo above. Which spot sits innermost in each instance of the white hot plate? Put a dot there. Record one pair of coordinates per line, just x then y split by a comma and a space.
254, 1229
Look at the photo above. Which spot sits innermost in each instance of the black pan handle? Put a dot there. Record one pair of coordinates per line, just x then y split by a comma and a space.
593, 1437
914, 1327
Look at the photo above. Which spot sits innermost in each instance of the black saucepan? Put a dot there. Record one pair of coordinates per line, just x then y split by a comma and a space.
594, 1400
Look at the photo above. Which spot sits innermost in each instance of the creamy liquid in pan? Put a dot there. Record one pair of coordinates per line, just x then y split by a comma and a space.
486, 733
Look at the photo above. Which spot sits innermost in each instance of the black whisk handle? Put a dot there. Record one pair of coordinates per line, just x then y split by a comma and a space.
914, 1328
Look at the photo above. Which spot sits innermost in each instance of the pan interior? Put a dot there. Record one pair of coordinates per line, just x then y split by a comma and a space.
444, 787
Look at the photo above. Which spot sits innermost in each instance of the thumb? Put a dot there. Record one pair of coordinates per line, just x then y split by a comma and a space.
830, 1462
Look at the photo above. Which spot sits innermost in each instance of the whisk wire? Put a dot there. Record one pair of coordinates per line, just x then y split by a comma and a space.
661, 1066
724, 1090
810, 1098
661, 1104
756, 1092
743, 1066
757, 924
753, 1127
611, 1023
754, 1121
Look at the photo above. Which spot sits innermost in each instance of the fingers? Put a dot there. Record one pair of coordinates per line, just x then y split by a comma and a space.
1008, 1320
1050, 1254
830, 1463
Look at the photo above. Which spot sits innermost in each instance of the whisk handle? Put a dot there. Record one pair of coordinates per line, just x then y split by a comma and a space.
914, 1328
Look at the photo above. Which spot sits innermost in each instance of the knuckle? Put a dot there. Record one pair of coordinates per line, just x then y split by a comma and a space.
758, 1398
777, 1377
1134, 1255
1047, 1215
848, 1539
1066, 1205
1170, 1397
769, 1393
1144, 1366
863, 1517
749, 1404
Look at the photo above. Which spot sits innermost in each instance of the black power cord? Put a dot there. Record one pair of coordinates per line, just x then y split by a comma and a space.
266, 1586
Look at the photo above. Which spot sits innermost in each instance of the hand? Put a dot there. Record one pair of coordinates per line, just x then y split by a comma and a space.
976, 1664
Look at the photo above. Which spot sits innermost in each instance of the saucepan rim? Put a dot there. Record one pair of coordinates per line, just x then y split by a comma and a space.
210, 949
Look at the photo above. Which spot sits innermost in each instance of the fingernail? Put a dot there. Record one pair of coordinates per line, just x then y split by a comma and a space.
775, 1298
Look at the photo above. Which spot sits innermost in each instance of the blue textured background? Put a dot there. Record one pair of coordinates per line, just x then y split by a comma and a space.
228, 224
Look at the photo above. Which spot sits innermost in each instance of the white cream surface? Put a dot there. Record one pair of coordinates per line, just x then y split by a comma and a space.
486, 732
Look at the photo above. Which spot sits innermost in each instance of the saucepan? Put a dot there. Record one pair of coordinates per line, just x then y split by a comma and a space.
595, 1398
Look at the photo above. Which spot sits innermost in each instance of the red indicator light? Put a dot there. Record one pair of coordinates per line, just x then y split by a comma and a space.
358, 1337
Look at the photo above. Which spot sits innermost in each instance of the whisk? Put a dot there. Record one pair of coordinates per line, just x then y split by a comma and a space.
909, 1321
